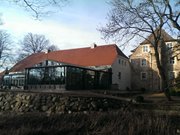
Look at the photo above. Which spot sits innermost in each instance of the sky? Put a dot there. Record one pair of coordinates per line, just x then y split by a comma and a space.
73, 26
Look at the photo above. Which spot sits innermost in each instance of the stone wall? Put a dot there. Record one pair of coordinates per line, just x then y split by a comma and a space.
20, 102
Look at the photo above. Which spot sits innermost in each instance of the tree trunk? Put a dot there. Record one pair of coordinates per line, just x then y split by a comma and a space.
165, 88
162, 72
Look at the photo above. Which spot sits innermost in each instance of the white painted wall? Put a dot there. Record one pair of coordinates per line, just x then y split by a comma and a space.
125, 70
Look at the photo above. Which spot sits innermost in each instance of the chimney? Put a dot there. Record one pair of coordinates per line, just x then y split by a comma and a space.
47, 51
93, 46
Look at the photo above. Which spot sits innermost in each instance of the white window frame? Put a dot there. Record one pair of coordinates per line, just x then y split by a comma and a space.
142, 64
169, 46
145, 75
145, 48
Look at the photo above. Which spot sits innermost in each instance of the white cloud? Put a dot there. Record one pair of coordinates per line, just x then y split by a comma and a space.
58, 34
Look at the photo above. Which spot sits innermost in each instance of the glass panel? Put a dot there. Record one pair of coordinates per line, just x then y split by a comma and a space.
74, 77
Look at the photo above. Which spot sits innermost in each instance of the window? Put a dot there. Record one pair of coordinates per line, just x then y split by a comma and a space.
119, 61
143, 62
119, 75
145, 48
122, 62
169, 46
133, 61
143, 76
172, 60
171, 75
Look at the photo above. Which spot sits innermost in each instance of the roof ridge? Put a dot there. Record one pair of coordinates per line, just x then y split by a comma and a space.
83, 48
164, 34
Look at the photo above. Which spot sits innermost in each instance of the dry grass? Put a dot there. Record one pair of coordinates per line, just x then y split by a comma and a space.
122, 122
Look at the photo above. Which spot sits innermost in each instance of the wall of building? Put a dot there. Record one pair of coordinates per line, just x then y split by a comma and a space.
121, 73
152, 82
176, 66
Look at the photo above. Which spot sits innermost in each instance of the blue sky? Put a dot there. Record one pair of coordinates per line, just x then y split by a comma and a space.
75, 25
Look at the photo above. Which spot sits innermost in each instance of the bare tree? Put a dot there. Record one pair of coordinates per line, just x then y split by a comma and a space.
52, 48
129, 19
33, 43
39, 8
4, 48
173, 15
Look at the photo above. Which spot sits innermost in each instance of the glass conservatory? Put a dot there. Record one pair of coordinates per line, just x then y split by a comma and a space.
54, 75
66, 77
14, 81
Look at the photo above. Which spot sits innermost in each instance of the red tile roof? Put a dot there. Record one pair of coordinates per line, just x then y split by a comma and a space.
29, 62
98, 56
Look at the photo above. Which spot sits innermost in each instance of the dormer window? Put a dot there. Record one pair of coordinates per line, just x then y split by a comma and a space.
145, 48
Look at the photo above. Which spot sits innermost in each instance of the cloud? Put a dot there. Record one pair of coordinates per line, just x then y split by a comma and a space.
57, 33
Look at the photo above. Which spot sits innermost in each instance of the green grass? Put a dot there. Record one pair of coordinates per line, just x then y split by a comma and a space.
122, 122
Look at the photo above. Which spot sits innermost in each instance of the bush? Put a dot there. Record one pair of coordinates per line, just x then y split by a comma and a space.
175, 91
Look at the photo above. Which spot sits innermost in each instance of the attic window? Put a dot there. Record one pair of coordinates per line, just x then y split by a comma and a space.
145, 48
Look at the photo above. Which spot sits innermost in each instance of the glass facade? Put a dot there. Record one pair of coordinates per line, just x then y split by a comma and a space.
72, 77
59, 75
46, 75
15, 80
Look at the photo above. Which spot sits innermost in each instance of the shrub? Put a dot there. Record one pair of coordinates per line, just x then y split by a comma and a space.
175, 91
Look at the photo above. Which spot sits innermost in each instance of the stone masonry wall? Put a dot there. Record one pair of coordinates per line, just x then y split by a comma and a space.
19, 102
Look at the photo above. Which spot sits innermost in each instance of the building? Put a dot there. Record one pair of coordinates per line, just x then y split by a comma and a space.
145, 74
81, 68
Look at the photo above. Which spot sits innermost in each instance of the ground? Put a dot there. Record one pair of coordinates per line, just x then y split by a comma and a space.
155, 115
